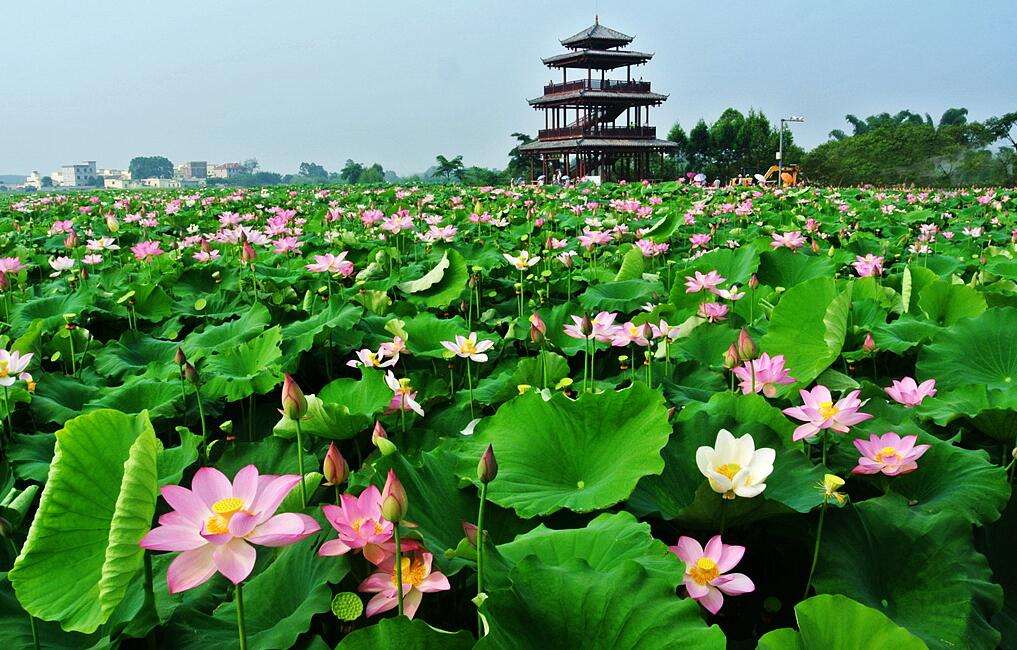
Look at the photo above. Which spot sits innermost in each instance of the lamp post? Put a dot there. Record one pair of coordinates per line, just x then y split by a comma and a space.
780, 154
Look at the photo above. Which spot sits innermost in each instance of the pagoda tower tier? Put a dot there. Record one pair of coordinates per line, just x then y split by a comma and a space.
596, 125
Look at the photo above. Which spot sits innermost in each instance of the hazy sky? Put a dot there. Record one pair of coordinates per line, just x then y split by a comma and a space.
399, 82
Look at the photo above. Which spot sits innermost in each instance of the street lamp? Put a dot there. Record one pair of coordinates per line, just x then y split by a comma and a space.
780, 154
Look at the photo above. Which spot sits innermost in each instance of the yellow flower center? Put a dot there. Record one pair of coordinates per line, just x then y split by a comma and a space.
413, 572
468, 347
887, 453
224, 510
359, 523
729, 470
404, 386
704, 571
4, 368
828, 410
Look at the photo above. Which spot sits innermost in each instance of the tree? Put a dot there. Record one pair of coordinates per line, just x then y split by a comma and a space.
151, 167
1000, 128
699, 145
449, 167
249, 166
954, 117
373, 174
518, 166
312, 170
351, 172
46, 181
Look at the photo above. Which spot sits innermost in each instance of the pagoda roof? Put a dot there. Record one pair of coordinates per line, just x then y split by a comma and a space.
597, 36
597, 59
588, 143
599, 97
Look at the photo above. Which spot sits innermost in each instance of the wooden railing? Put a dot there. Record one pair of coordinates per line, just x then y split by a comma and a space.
642, 132
608, 85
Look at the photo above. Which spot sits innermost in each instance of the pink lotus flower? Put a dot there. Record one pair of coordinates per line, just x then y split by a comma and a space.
403, 395
763, 375
820, 412
360, 526
909, 392
329, 263
709, 281
889, 454
713, 311
417, 580
868, 266
13, 365
791, 240
215, 522
146, 250
706, 571
10, 265
631, 333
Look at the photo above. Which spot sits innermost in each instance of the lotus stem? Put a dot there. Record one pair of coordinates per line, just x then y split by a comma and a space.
398, 566
241, 630
31, 619
815, 550
469, 383
300, 464
480, 556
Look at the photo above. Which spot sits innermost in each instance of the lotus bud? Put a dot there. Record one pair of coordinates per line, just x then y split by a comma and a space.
205, 246
393, 499
294, 404
869, 344
111, 223
71, 240
487, 468
746, 346
190, 373
586, 326
731, 357
471, 533
4, 282
538, 329
247, 253
753, 282
379, 438
334, 468
179, 357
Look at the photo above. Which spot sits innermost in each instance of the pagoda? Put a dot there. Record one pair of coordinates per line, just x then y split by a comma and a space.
591, 123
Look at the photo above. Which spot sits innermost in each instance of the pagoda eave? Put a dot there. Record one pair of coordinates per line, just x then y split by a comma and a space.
598, 98
597, 59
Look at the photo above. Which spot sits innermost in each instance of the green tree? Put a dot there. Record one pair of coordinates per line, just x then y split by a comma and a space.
373, 174
351, 172
449, 167
151, 167
519, 165
312, 170
46, 181
699, 145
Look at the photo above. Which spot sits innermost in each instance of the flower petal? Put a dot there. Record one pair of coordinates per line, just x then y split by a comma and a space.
235, 560
190, 569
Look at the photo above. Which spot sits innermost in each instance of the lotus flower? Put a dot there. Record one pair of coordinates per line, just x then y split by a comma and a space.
909, 392
329, 263
12, 367
868, 266
820, 412
523, 261
763, 375
468, 347
417, 580
706, 571
735, 467
360, 526
700, 281
889, 454
403, 395
216, 521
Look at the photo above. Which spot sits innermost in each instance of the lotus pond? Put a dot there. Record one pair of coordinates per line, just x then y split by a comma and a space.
629, 416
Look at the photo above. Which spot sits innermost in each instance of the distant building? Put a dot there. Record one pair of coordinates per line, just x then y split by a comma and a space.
80, 175
226, 170
194, 170
108, 172
34, 180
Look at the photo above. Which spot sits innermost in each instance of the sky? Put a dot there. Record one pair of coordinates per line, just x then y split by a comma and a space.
398, 82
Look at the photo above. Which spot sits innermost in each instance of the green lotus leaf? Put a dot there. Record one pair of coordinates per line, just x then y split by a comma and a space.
975, 351
299, 336
248, 368
344, 408
828, 622
30, 456
174, 460
226, 335
427, 331
59, 398
572, 605
921, 571
133, 354
784, 268
16, 630
991, 411
50, 310
404, 633
904, 333
998, 547
682, 492
159, 398
97, 505
445, 289
631, 266
427, 280
624, 296
808, 326
584, 454
946, 303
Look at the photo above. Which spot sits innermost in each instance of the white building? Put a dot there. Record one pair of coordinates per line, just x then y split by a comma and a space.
76, 175
34, 180
225, 170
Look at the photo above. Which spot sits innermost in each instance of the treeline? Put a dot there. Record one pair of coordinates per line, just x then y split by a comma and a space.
884, 149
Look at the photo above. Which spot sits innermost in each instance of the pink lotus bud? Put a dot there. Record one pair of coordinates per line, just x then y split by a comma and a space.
71, 240
334, 468
4, 282
179, 357
471, 533
487, 468
753, 282
869, 344
731, 357
538, 329
247, 253
746, 346
393, 499
294, 404
205, 246
190, 373
586, 326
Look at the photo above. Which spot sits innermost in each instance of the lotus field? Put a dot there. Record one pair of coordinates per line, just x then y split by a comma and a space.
629, 416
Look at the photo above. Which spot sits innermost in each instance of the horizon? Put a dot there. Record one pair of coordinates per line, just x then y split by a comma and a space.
400, 84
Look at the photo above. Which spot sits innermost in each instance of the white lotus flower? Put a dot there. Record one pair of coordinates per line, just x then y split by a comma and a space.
734, 466
523, 262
